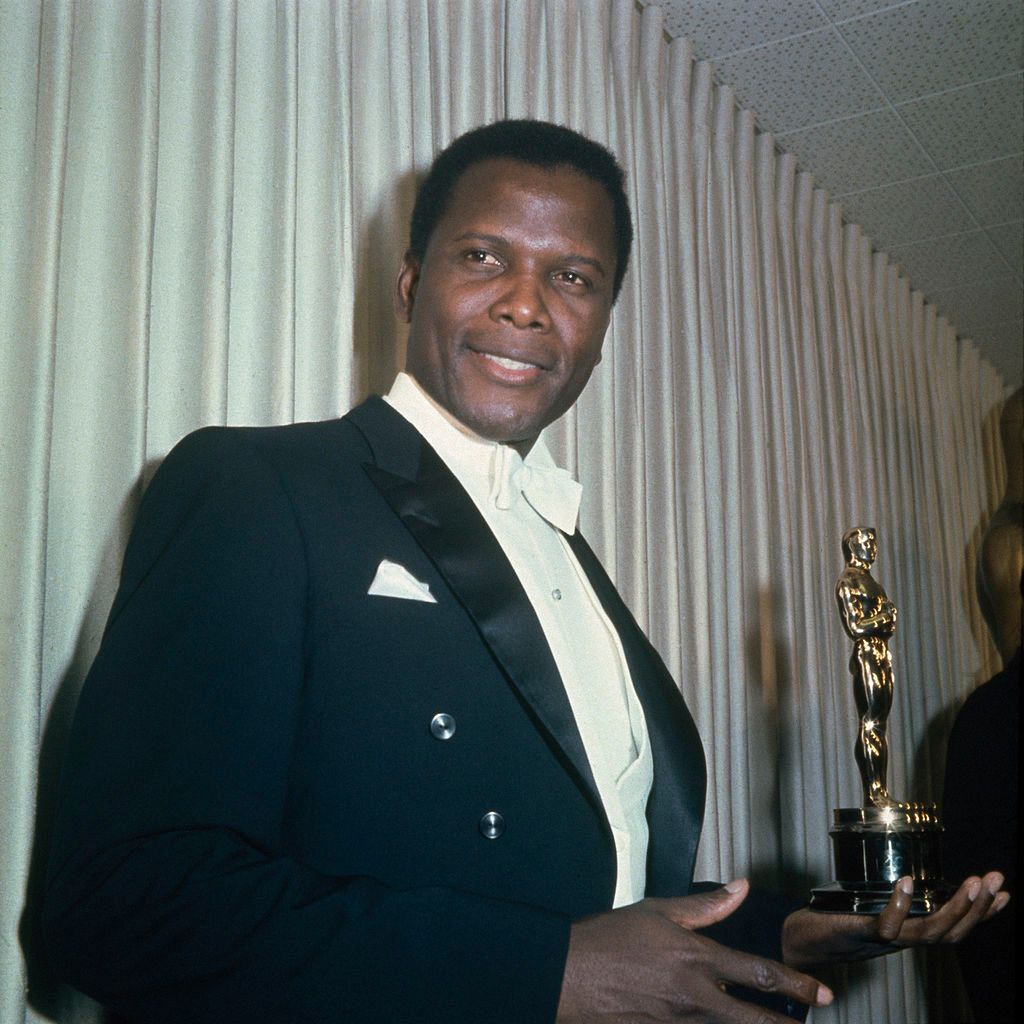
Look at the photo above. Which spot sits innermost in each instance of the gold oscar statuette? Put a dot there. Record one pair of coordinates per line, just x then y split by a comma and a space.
875, 845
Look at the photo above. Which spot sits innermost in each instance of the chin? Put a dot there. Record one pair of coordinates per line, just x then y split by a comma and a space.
504, 433
511, 427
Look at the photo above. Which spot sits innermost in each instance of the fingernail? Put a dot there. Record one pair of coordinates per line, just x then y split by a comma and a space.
736, 885
973, 889
824, 996
906, 884
1000, 901
996, 884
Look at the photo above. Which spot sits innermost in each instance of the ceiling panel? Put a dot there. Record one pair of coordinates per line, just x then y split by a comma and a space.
1009, 240
799, 81
724, 26
918, 48
970, 124
1001, 345
995, 301
908, 211
993, 191
858, 152
941, 263
909, 113
838, 10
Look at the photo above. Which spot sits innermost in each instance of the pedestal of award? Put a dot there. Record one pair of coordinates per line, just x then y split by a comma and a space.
876, 845
873, 848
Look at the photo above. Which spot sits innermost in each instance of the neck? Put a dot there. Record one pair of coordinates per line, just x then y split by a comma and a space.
523, 447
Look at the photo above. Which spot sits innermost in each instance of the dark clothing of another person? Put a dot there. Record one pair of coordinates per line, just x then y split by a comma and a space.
981, 833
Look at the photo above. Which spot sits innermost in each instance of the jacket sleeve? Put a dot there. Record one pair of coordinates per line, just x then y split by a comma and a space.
173, 891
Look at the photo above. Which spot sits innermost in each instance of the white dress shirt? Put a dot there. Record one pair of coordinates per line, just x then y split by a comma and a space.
584, 644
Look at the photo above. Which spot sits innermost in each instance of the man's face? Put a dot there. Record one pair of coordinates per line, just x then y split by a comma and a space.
510, 305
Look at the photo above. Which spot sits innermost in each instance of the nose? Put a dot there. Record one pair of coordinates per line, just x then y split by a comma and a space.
521, 303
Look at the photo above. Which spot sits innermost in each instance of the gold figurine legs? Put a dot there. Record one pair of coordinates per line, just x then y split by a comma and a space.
871, 666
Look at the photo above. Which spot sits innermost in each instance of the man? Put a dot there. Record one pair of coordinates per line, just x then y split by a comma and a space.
370, 736
869, 618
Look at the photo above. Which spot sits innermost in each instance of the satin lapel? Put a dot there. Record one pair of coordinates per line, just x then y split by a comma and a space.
675, 811
443, 520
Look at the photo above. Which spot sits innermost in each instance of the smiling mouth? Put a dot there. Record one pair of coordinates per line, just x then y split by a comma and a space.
510, 364
508, 371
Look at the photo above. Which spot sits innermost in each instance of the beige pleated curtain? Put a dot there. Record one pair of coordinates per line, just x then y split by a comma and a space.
203, 206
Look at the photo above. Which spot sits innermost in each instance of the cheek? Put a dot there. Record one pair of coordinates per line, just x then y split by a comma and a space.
586, 356
433, 328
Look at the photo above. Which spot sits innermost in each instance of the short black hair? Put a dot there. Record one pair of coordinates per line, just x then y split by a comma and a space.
539, 143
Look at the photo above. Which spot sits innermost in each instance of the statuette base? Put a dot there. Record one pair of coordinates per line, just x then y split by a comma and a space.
873, 848
835, 898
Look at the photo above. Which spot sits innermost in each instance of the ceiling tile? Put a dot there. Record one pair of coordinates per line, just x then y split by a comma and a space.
973, 306
993, 191
839, 10
858, 152
943, 263
930, 45
1009, 240
952, 69
969, 125
1003, 346
800, 81
724, 26
908, 211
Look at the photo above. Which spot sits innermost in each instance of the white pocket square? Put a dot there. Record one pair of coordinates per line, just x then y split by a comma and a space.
394, 580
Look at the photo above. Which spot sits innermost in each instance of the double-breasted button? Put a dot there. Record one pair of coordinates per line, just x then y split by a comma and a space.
492, 824
442, 726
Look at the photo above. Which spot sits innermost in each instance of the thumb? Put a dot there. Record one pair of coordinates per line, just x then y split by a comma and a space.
704, 908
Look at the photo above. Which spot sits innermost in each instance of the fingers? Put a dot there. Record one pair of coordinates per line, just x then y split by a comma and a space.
635, 964
768, 976
993, 881
982, 895
977, 899
704, 908
997, 904
726, 1008
890, 920
731, 966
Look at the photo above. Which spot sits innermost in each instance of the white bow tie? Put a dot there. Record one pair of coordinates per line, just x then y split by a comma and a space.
550, 490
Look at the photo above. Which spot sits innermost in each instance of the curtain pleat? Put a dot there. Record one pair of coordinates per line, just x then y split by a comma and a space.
203, 209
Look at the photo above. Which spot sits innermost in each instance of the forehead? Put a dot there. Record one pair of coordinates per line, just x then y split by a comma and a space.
507, 195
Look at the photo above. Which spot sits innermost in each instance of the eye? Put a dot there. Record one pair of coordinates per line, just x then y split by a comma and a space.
571, 277
481, 257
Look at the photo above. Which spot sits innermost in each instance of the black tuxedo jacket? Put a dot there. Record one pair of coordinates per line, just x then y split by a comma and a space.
257, 821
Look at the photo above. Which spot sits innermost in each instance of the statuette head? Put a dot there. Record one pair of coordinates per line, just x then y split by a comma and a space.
860, 546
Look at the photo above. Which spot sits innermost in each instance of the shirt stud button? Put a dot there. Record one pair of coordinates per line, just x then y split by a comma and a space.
492, 825
442, 726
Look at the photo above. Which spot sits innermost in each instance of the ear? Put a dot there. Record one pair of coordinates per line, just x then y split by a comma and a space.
405, 287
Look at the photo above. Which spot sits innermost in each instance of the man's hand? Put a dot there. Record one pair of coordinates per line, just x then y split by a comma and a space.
812, 938
645, 963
